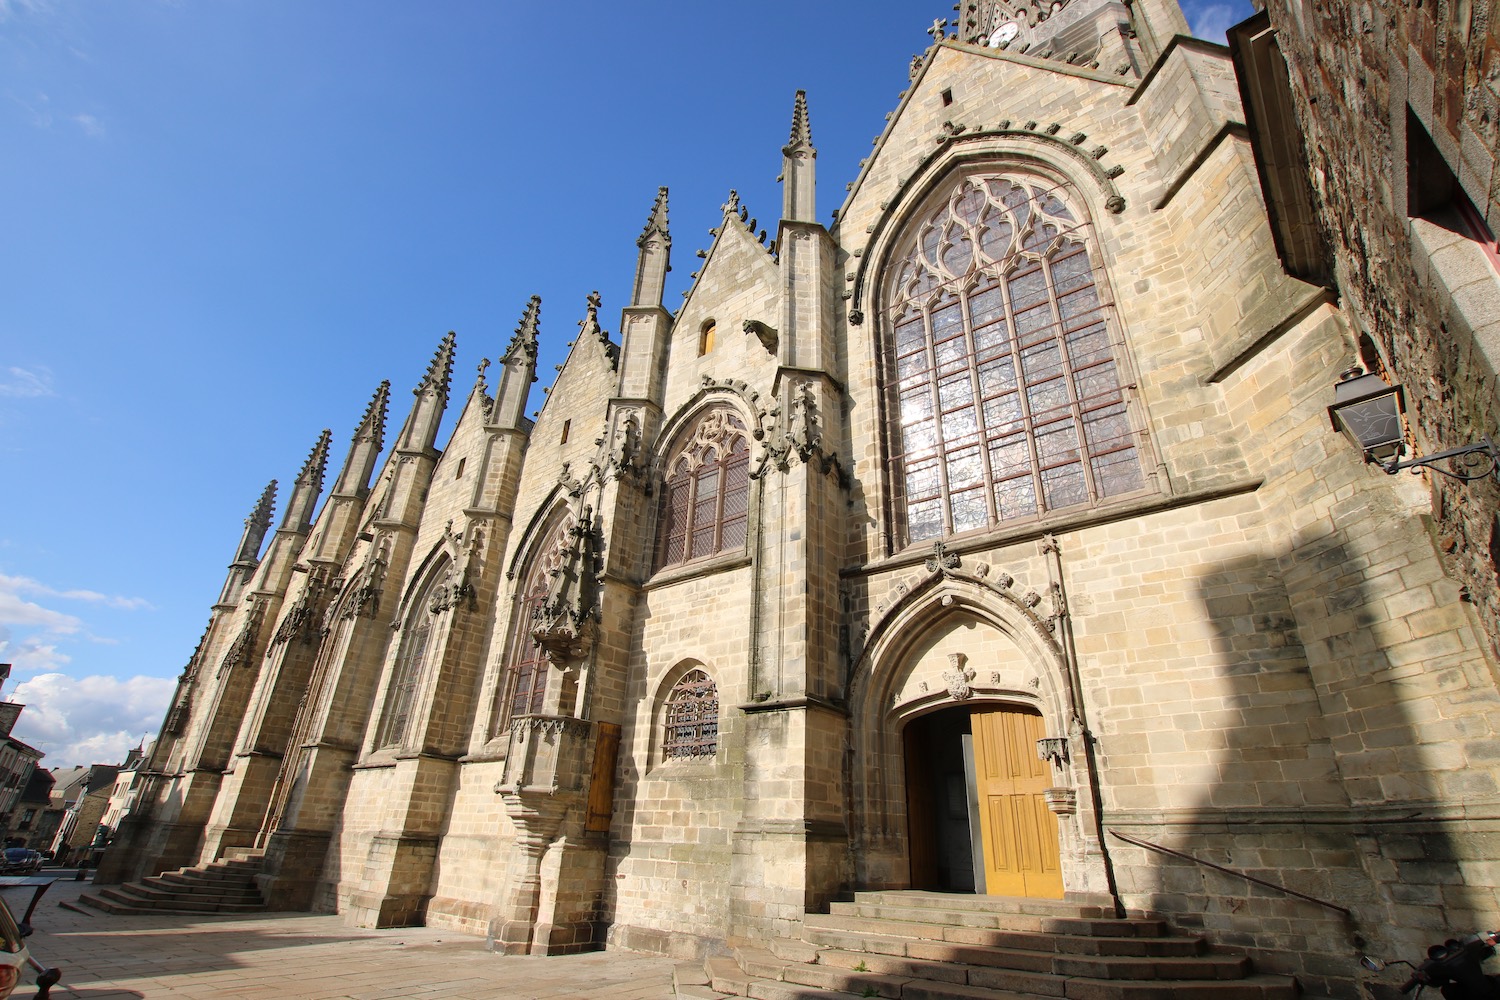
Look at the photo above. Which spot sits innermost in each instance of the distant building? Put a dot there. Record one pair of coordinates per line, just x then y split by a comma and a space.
85, 794
17, 759
122, 795
34, 822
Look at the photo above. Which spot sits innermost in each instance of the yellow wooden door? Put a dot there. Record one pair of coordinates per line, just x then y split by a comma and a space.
1018, 830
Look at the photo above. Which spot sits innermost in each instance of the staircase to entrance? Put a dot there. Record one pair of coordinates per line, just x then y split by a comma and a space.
913, 945
225, 886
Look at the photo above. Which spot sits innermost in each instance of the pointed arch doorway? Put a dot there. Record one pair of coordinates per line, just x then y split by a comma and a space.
977, 815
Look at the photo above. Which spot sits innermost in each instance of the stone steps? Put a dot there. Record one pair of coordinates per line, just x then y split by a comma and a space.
936, 947
218, 887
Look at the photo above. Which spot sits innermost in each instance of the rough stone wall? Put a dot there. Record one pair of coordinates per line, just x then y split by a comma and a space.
1355, 71
674, 820
738, 282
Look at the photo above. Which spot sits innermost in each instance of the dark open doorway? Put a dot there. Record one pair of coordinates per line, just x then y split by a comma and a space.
940, 804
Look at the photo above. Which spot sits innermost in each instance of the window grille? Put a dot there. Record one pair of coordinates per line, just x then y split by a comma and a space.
692, 723
706, 499
1005, 395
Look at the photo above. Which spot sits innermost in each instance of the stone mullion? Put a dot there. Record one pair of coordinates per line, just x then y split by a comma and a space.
1069, 372
981, 428
1008, 268
940, 440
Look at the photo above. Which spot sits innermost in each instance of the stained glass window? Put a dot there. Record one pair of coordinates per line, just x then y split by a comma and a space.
692, 723
1006, 400
705, 501
415, 638
523, 686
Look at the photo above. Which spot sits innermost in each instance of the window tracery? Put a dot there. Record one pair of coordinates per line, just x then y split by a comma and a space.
692, 718
416, 639
706, 499
523, 686
1005, 392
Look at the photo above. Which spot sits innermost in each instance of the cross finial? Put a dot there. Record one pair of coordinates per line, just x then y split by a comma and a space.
484, 363
936, 31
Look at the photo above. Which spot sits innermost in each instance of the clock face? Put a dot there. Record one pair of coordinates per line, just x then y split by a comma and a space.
1005, 33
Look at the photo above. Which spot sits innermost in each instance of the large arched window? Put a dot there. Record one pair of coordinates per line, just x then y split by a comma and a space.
416, 640
1005, 391
523, 685
706, 498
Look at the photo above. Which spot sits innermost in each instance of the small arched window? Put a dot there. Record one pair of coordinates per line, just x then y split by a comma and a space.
706, 499
523, 685
692, 718
706, 337
416, 639
1004, 392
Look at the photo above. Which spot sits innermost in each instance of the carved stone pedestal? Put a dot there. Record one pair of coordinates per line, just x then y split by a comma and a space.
547, 768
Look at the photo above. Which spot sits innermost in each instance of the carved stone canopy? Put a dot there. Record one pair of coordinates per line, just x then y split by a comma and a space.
567, 622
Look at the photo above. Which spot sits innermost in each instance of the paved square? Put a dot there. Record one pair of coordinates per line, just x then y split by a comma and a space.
305, 956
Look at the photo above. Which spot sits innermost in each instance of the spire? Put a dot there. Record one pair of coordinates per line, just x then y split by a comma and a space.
257, 524
656, 253
369, 437
247, 556
798, 168
518, 369
801, 130
299, 509
523, 342
432, 398
440, 371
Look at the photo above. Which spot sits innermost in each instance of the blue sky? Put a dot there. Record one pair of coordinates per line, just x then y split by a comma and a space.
226, 221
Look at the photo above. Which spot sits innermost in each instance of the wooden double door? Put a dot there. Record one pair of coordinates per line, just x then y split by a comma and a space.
976, 805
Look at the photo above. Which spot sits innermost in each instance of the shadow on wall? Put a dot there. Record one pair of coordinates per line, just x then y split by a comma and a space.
1315, 753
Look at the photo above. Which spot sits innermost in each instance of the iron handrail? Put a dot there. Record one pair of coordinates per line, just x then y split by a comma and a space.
1230, 871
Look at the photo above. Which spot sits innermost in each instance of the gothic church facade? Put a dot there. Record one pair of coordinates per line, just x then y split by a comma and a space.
978, 542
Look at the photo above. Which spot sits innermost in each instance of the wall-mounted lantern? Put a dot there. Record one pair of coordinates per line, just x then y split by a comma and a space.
1368, 411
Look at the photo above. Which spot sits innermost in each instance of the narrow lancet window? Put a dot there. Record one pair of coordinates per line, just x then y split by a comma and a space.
523, 685
416, 639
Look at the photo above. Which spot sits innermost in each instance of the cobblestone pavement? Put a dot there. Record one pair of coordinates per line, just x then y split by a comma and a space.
309, 957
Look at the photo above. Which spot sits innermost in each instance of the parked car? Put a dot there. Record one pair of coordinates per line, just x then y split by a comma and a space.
14, 957
19, 861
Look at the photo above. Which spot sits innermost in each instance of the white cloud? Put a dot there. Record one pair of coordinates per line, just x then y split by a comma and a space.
31, 655
1212, 20
16, 610
89, 720
16, 585
23, 383
92, 127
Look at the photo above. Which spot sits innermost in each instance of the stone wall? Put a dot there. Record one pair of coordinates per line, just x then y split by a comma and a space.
1360, 74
